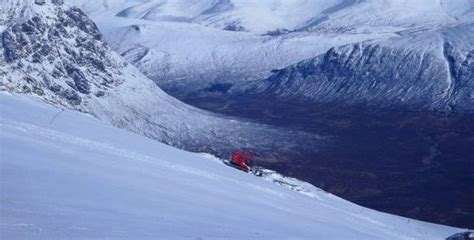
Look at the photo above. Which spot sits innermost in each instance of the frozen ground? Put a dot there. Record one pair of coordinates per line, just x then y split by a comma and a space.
68, 175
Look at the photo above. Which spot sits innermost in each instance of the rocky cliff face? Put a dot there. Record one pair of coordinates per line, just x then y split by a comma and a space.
59, 54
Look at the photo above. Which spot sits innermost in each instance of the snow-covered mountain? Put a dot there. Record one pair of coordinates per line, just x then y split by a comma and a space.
187, 48
189, 56
57, 54
74, 177
427, 70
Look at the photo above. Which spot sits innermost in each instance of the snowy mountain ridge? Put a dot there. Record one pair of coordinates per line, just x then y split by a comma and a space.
267, 16
79, 169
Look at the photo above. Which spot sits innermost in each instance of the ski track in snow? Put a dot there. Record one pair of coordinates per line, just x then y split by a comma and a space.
111, 149
99, 146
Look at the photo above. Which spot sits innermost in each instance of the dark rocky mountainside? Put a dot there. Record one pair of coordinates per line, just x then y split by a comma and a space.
427, 71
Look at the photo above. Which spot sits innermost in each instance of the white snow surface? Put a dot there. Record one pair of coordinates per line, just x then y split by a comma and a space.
73, 177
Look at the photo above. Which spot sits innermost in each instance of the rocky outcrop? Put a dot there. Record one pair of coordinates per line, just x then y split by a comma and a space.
61, 54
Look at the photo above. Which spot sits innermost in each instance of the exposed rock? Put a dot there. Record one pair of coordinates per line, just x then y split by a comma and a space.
66, 49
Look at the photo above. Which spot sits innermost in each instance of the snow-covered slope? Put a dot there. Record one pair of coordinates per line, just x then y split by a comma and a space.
57, 53
69, 176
